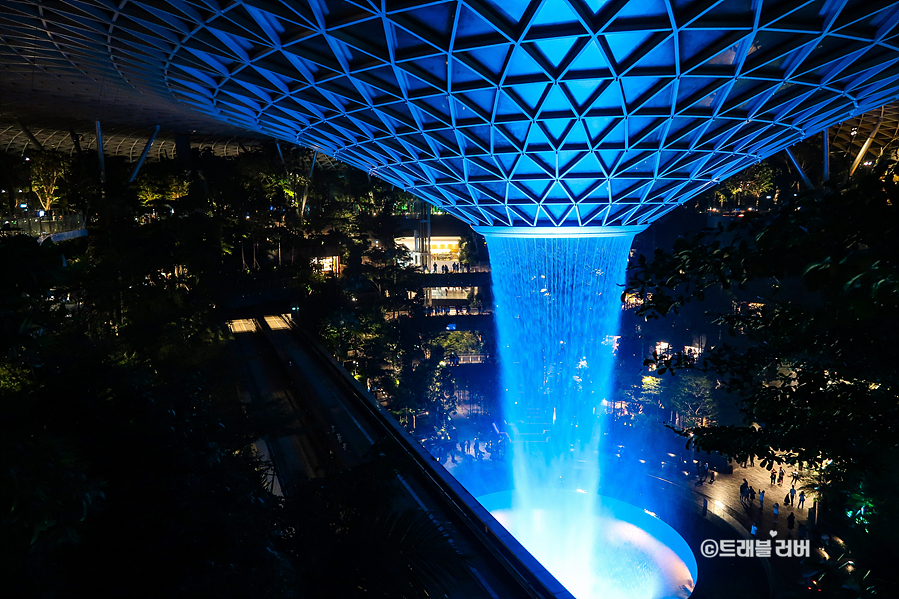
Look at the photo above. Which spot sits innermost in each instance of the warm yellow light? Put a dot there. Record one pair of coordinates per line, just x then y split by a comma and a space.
276, 323
243, 325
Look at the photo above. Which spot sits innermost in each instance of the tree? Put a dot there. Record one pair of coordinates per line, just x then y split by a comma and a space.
126, 464
692, 395
752, 182
48, 167
290, 181
29, 272
808, 358
443, 395
636, 395
388, 266
468, 252
162, 182
459, 342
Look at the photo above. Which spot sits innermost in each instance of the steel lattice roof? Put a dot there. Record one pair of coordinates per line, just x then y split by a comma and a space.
502, 112
127, 142
850, 136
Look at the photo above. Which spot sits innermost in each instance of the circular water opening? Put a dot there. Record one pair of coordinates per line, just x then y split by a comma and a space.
622, 552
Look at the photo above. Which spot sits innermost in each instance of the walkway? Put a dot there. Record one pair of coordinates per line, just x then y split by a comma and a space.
332, 432
723, 498
726, 490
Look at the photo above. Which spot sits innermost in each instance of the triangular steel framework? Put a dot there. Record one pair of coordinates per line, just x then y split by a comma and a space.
498, 111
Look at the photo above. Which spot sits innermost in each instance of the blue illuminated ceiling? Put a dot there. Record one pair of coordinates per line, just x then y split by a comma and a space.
502, 112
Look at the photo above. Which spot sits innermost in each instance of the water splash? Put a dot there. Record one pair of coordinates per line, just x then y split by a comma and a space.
557, 296
635, 556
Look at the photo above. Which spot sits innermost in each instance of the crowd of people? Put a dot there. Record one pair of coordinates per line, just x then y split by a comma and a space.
455, 267
490, 448
793, 499
451, 310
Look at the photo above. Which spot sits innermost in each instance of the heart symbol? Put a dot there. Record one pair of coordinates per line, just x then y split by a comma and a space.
773, 533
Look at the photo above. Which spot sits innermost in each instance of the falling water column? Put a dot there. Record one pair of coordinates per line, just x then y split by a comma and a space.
557, 301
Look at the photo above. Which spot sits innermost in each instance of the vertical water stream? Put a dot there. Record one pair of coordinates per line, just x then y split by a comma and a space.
557, 302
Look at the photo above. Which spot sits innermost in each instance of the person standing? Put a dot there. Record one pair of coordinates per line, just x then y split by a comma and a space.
773, 477
754, 529
751, 495
780, 476
791, 521
787, 499
801, 499
792, 495
776, 511
762, 499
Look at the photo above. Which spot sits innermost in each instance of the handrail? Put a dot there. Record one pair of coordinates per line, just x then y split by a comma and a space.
533, 578
276, 454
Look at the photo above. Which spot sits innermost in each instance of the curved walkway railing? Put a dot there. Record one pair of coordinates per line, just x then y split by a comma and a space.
534, 580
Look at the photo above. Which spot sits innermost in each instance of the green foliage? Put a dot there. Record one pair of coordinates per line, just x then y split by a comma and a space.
692, 395
126, 465
468, 252
807, 359
459, 342
342, 331
356, 314
358, 545
29, 272
48, 168
416, 387
752, 182
646, 393
162, 183
132, 475
443, 394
